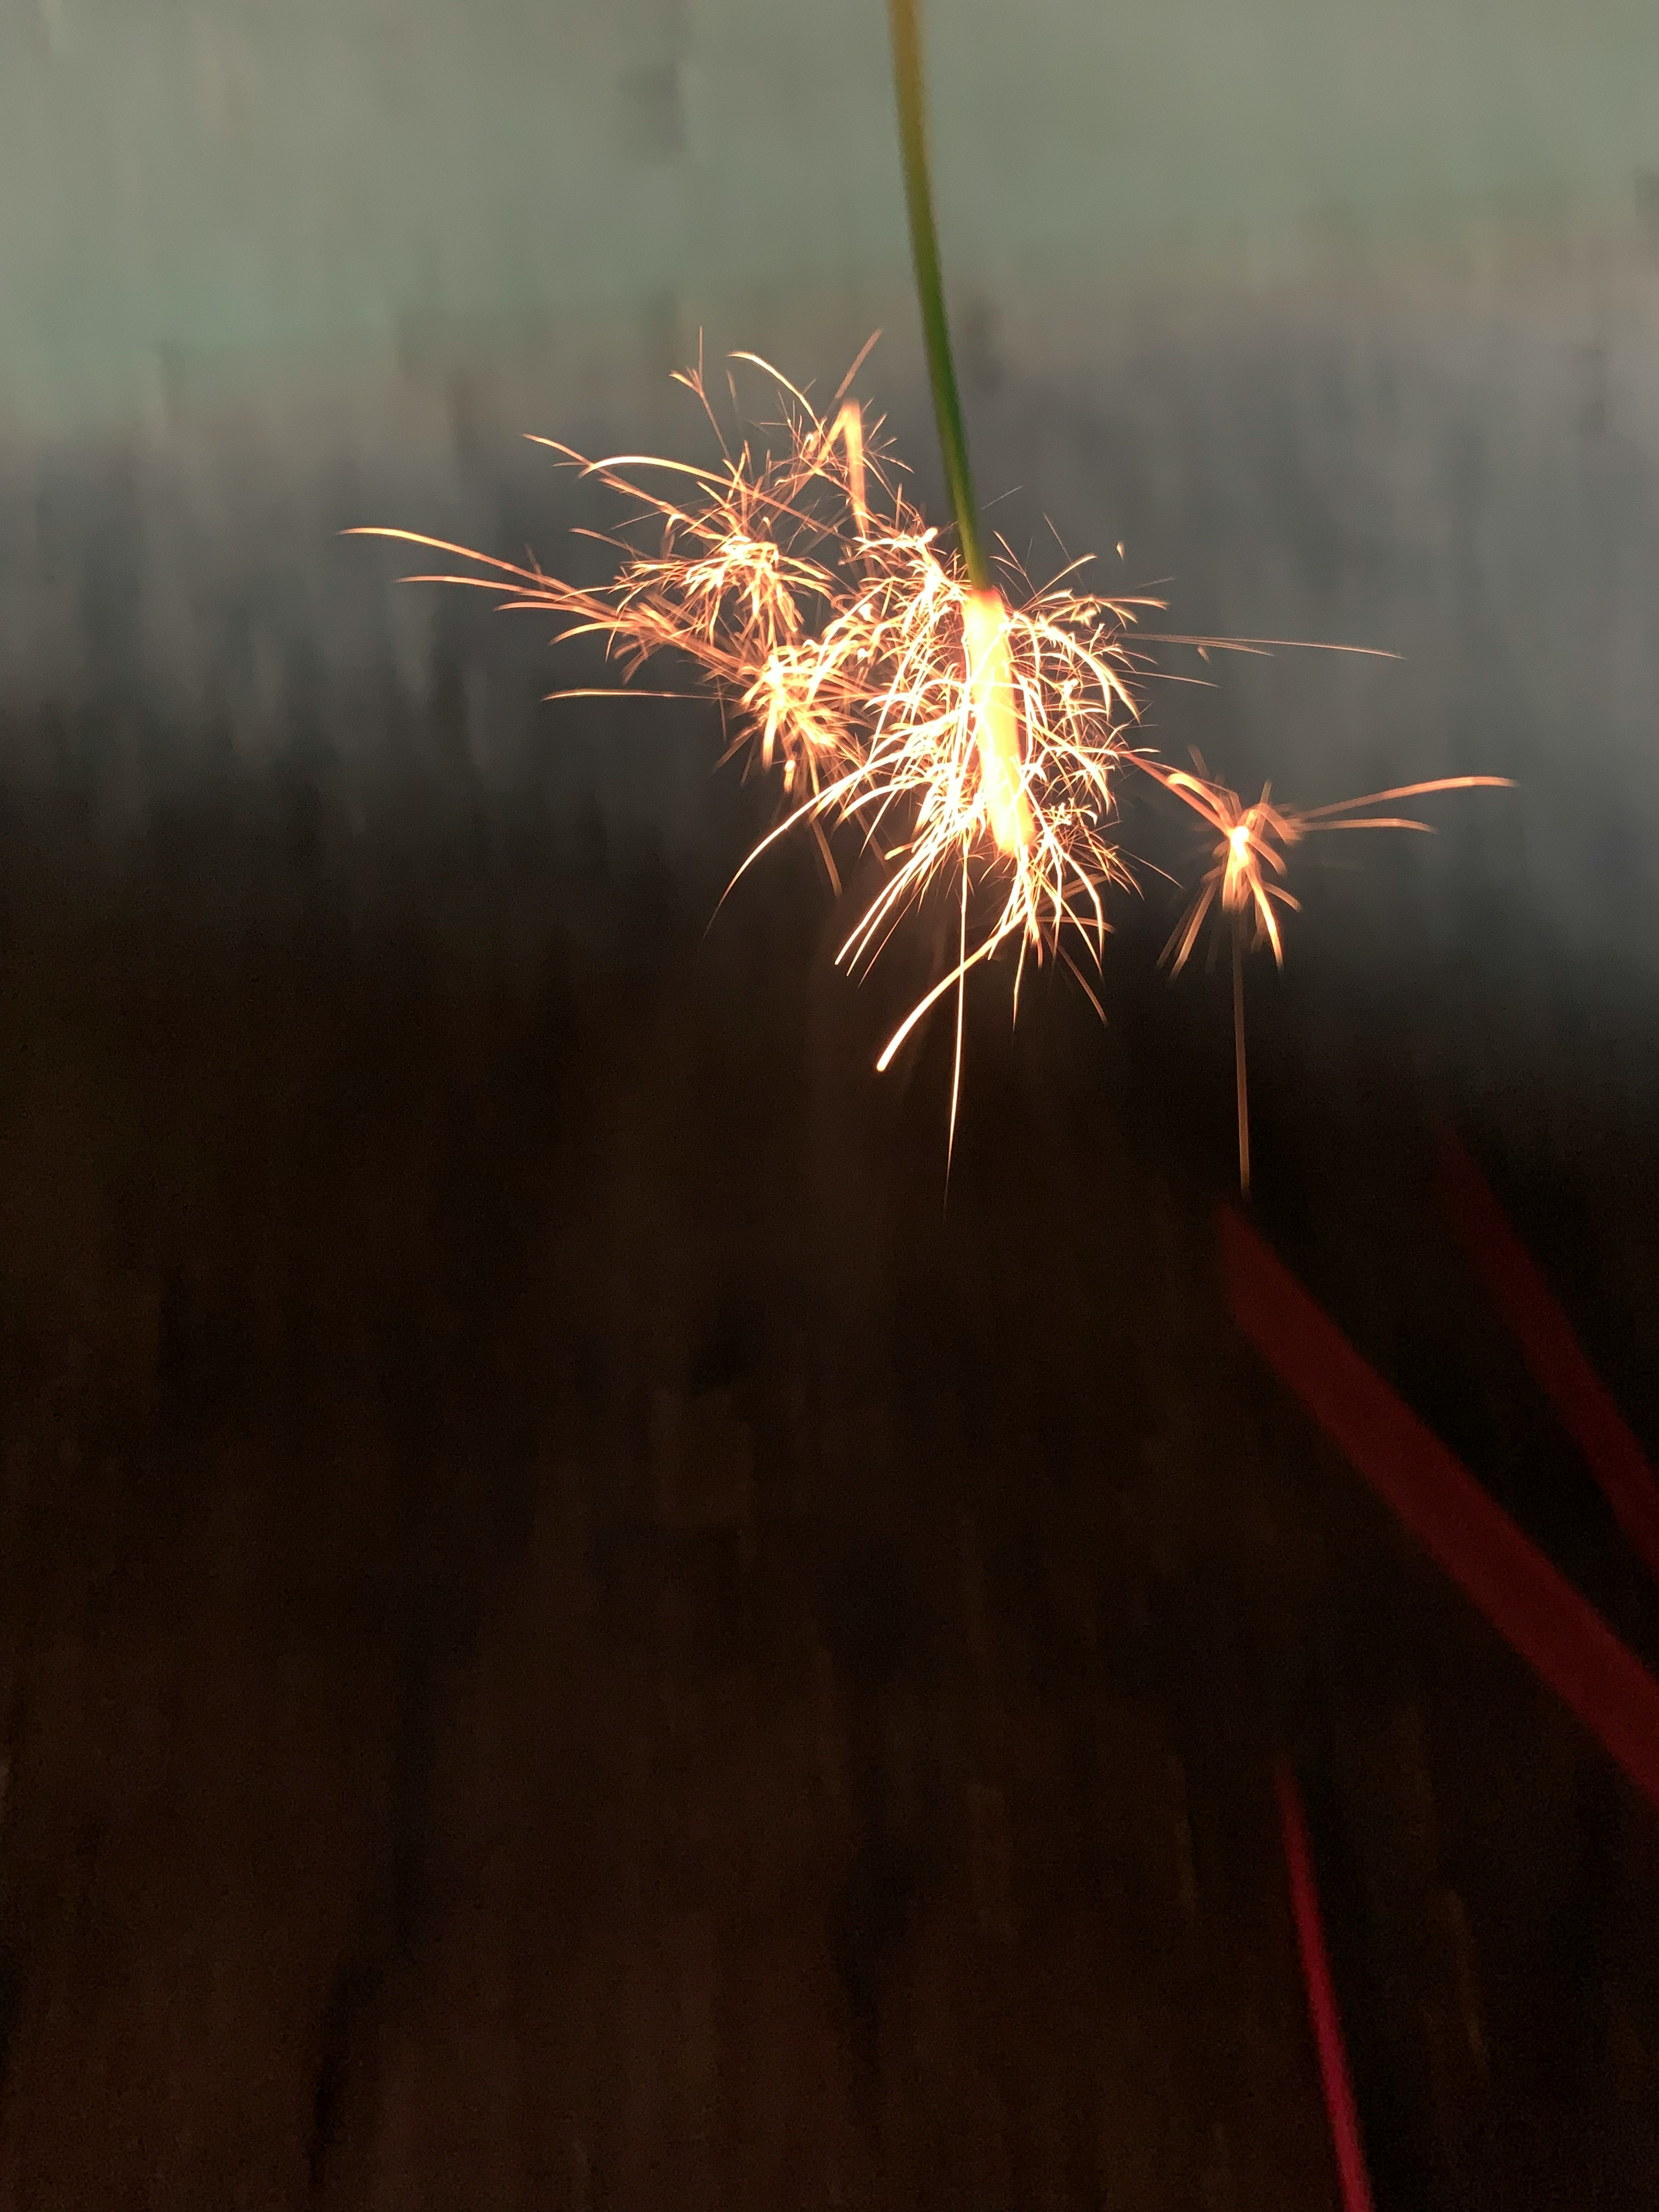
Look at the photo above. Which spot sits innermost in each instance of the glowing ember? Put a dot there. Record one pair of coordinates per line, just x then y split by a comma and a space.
991, 686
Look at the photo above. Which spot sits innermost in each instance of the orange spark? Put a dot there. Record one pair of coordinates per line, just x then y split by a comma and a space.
1254, 842
1255, 839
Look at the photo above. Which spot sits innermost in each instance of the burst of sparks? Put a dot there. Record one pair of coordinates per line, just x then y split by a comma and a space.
968, 735
963, 733
1246, 880
1245, 883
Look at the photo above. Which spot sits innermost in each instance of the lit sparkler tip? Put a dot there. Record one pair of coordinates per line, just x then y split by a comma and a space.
996, 726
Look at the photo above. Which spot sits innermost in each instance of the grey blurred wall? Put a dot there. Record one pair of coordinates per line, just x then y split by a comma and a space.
1344, 319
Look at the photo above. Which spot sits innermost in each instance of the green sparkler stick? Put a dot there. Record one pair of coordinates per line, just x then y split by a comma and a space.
930, 288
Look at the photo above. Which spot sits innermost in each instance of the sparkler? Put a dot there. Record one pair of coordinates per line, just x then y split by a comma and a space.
860, 661
1245, 884
966, 725
812, 599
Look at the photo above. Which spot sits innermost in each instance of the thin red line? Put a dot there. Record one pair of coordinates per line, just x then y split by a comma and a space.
1518, 1289
1321, 1994
1526, 1599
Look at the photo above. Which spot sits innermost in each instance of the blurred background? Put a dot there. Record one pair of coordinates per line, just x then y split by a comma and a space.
574, 1635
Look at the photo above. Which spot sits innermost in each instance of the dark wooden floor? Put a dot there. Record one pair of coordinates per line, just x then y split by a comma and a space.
575, 1637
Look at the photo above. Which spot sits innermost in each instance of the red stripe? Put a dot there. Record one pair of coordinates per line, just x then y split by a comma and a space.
1520, 1293
1524, 1597
1322, 1996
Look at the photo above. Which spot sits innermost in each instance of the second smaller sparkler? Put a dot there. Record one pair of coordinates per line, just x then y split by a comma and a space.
1245, 884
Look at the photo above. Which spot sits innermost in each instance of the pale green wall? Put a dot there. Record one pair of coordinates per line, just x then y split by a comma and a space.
252, 179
